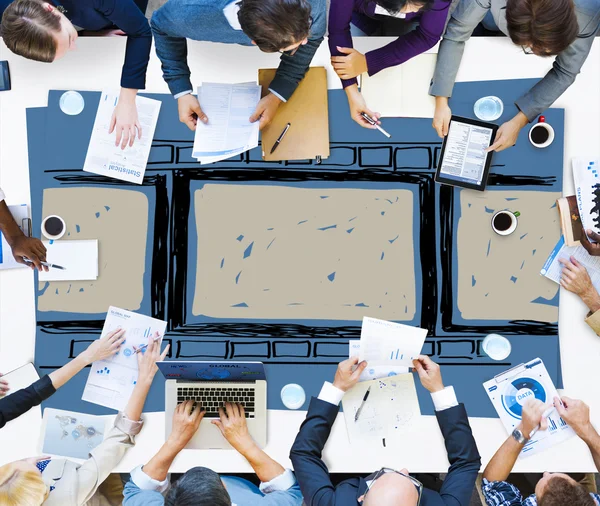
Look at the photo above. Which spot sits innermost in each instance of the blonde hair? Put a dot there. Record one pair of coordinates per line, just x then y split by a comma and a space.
21, 488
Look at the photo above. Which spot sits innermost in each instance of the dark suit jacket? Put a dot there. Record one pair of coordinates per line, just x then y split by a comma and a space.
313, 476
14, 405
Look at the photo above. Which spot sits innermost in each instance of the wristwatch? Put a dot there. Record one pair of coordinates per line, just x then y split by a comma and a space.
519, 437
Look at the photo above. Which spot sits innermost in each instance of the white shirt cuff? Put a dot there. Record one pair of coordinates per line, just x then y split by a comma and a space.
329, 393
144, 482
282, 482
277, 95
444, 399
2, 196
182, 93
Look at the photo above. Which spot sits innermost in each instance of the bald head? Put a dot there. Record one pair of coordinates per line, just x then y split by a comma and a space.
392, 489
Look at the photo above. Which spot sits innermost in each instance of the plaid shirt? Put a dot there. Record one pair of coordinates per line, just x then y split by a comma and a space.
501, 493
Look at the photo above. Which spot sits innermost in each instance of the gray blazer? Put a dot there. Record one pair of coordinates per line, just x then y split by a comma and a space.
566, 66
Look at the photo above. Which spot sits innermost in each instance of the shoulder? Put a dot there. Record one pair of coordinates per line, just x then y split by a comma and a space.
183, 9
588, 16
501, 493
319, 16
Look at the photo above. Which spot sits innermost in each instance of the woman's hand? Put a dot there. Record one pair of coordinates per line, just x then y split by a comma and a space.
104, 347
148, 357
357, 105
124, 120
353, 64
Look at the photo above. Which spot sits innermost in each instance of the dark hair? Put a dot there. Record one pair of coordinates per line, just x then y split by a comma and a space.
560, 492
275, 24
200, 486
395, 6
546, 26
27, 29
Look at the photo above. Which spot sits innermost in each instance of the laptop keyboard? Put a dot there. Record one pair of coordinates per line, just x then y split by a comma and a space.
211, 399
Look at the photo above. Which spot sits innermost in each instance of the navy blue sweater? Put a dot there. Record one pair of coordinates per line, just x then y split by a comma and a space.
14, 405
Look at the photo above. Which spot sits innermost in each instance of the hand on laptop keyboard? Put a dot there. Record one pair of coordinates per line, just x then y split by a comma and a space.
186, 420
233, 426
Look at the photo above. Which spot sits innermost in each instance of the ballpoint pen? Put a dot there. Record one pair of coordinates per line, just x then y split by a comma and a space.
362, 404
144, 346
546, 414
46, 264
374, 123
280, 138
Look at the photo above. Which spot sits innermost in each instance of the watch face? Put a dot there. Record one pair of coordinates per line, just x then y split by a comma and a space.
518, 435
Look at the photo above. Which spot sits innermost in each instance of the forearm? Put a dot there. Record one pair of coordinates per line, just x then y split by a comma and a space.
264, 466
592, 439
128, 95
67, 371
158, 466
503, 461
8, 225
591, 299
136, 402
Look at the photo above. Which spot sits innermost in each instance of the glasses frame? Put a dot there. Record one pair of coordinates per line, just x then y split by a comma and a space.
418, 485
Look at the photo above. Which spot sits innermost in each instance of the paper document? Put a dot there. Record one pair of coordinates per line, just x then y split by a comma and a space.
391, 409
111, 382
552, 269
69, 434
509, 391
384, 343
403, 90
228, 131
374, 372
21, 216
79, 258
106, 159
586, 175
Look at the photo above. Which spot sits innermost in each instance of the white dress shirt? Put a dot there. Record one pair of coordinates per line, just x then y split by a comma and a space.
382, 12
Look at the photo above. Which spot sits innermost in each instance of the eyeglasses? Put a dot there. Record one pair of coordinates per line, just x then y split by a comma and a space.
527, 50
418, 485
292, 52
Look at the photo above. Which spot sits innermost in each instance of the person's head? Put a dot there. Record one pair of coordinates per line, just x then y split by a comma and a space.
276, 25
200, 486
37, 30
391, 489
545, 27
405, 6
21, 484
557, 489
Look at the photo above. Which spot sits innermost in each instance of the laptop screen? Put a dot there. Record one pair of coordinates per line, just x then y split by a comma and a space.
212, 371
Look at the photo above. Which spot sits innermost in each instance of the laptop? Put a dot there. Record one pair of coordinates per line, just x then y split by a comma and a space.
211, 384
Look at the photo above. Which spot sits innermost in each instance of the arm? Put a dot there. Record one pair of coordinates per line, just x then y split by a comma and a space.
14, 405
340, 16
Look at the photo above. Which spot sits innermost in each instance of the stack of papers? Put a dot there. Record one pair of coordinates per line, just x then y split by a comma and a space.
553, 268
79, 259
228, 131
106, 159
586, 175
377, 371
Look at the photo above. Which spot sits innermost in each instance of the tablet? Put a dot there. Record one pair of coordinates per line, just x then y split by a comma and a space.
463, 160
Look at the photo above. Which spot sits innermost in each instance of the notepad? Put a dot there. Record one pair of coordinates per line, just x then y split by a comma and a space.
79, 258
403, 90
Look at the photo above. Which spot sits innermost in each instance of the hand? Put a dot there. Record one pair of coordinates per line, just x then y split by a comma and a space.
507, 134
531, 416
104, 347
148, 357
233, 426
351, 65
575, 277
429, 373
125, 120
4, 388
441, 116
575, 412
593, 248
347, 375
266, 110
186, 420
357, 106
30, 247
190, 111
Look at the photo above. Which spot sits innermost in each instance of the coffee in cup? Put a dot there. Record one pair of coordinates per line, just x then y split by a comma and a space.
53, 227
505, 222
541, 134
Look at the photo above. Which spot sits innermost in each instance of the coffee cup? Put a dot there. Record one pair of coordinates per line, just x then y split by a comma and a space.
53, 227
505, 222
541, 135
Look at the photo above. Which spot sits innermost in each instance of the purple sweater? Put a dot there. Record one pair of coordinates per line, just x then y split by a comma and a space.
427, 34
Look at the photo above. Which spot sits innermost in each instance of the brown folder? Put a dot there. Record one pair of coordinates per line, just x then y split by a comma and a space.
306, 110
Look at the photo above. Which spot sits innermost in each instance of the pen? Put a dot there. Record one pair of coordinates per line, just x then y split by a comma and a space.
362, 404
144, 346
46, 264
280, 138
374, 123
546, 414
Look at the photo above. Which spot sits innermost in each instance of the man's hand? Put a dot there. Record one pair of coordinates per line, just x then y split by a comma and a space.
575, 278
429, 373
593, 248
531, 416
507, 134
124, 119
4, 388
441, 116
347, 375
575, 412
357, 106
233, 426
351, 65
147, 358
186, 420
266, 110
190, 111
104, 347
30, 247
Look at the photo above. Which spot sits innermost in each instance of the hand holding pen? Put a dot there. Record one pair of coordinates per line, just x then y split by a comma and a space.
374, 123
155, 337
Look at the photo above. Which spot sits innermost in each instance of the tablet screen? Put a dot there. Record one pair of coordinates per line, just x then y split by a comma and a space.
465, 156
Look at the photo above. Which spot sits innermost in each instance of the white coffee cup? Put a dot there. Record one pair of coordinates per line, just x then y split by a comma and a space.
511, 226
542, 124
293, 396
51, 222
496, 347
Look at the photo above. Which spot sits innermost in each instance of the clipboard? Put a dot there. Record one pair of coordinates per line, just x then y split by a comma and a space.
516, 370
307, 111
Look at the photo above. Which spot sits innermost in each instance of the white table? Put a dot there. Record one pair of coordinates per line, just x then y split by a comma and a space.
97, 64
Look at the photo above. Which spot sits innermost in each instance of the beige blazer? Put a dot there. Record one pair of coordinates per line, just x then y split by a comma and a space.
77, 484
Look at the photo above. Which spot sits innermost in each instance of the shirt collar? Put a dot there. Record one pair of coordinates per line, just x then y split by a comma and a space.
231, 14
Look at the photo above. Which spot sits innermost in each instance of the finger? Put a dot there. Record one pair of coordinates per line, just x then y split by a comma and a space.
559, 405
345, 50
139, 129
190, 123
36, 261
575, 262
361, 367
338, 59
115, 335
222, 414
495, 146
218, 424
118, 135
229, 410
363, 122
242, 412
113, 122
200, 114
349, 363
165, 353
131, 135
567, 401
264, 121
593, 236
235, 408
125, 138
543, 423
256, 115
445, 126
